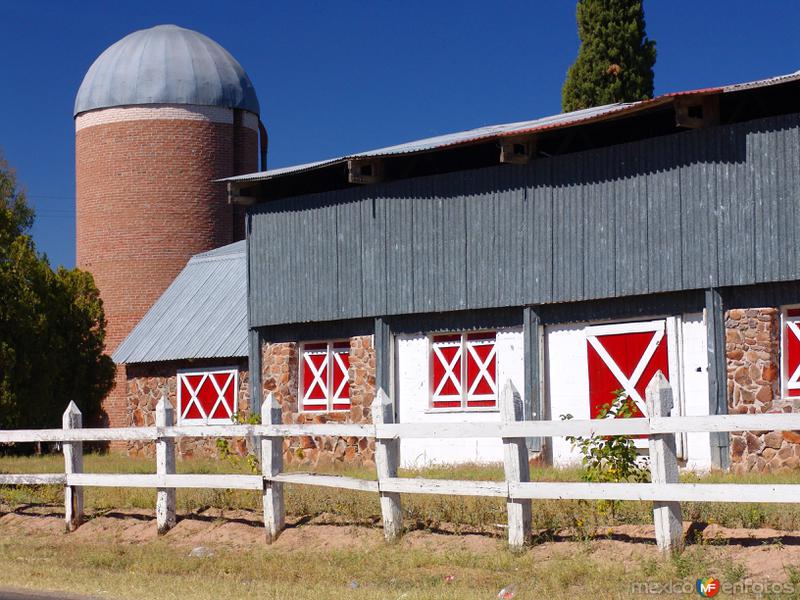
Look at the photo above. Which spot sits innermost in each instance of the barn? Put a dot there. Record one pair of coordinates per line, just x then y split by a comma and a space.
575, 255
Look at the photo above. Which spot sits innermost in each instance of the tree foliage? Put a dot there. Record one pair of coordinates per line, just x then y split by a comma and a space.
52, 327
615, 60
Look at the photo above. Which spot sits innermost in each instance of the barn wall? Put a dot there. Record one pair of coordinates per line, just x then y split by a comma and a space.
710, 207
146, 383
279, 372
413, 401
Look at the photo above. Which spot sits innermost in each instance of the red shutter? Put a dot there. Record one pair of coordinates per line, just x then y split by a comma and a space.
446, 371
207, 396
791, 336
340, 382
481, 370
315, 377
624, 356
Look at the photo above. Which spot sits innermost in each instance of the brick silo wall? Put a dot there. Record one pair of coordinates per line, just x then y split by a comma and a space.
146, 203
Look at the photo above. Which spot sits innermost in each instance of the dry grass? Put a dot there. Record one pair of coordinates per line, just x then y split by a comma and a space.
155, 568
462, 514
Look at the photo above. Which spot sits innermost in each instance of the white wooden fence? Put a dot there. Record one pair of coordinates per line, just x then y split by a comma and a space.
664, 491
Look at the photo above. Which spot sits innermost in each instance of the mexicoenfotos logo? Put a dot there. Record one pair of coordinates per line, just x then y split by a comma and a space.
707, 587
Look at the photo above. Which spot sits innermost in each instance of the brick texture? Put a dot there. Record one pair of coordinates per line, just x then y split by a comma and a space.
146, 203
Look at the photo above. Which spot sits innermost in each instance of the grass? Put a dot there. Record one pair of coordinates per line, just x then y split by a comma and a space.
461, 514
156, 570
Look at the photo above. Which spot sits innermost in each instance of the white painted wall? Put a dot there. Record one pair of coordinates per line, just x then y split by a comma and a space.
413, 401
568, 381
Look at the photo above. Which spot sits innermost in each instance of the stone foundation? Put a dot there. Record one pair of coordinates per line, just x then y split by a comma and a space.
145, 385
753, 349
280, 368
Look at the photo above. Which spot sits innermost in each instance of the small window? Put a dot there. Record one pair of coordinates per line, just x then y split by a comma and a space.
325, 376
463, 371
791, 352
208, 396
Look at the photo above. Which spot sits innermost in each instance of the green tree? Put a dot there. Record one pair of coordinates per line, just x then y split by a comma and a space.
52, 326
615, 60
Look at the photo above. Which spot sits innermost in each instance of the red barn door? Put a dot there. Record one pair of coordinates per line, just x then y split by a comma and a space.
624, 356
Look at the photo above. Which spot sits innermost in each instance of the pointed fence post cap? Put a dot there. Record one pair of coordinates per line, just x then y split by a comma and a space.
511, 407
381, 408
72, 416
165, 414
164, 403
271, 410
658, 396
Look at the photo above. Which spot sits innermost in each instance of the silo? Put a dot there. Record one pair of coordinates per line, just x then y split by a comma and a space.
159, 116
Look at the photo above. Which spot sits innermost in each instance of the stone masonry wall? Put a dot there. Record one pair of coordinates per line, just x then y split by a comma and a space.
753, 350
146, 383
280, 368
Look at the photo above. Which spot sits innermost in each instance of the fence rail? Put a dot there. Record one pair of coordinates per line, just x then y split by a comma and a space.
664, 490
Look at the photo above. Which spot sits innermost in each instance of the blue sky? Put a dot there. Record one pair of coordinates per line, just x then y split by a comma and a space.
343, 76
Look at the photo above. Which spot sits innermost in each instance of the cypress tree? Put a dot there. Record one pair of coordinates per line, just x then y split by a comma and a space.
615, 60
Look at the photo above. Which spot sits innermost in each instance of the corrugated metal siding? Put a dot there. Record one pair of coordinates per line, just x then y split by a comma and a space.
713, 207
202, 314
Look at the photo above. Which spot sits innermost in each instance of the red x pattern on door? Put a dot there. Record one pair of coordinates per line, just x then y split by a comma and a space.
624, 356
791, 342
207, 396
464, 370
325, 376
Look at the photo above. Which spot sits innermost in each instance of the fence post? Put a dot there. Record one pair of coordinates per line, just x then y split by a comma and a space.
387, 461
664, 467
73, 463
515, 452
165, 465
271, 465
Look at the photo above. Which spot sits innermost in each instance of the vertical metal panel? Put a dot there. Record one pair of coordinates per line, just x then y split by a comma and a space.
399, 250
568, 229
482, 256
735, 212
717, 374
699, 249
429, 294
373, 254
454, 263
538, 251
762, 159
787, 172
791, 170
510, 234
349, 256
664, 209
600, 233
631, 223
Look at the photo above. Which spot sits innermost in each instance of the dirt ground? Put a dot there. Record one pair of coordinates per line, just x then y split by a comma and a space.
764, 553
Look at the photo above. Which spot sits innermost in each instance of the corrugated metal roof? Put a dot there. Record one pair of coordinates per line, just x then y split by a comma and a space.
597, 113
202, 314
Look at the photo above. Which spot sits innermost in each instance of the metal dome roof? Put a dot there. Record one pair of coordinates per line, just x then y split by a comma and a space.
166, 64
